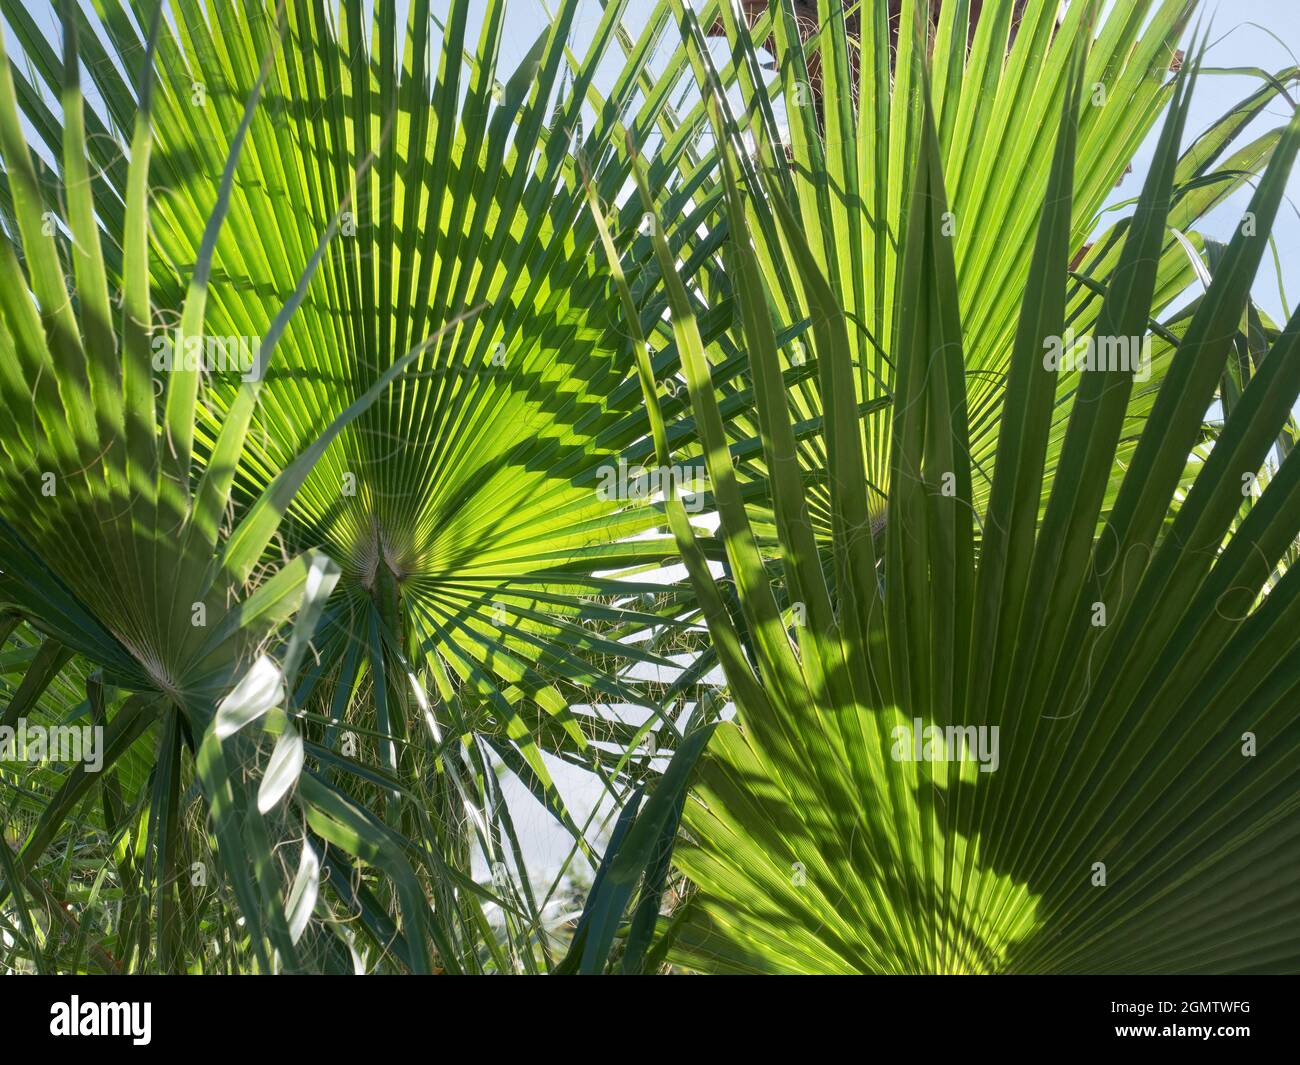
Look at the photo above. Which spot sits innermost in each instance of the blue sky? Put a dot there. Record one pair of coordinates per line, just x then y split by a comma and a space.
1246, 33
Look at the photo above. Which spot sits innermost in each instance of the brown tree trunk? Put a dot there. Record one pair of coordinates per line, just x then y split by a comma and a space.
805, 12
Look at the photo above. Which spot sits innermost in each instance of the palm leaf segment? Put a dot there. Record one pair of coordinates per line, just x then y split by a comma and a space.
1139, 668
102, 543
836, 124
419, 239
464, 506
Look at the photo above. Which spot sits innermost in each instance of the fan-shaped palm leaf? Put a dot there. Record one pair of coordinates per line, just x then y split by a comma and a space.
1128, 682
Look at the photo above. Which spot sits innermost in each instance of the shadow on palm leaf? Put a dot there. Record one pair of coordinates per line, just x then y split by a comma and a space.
1130, 660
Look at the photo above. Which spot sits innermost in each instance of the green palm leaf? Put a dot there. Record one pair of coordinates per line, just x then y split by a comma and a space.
1125, 819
